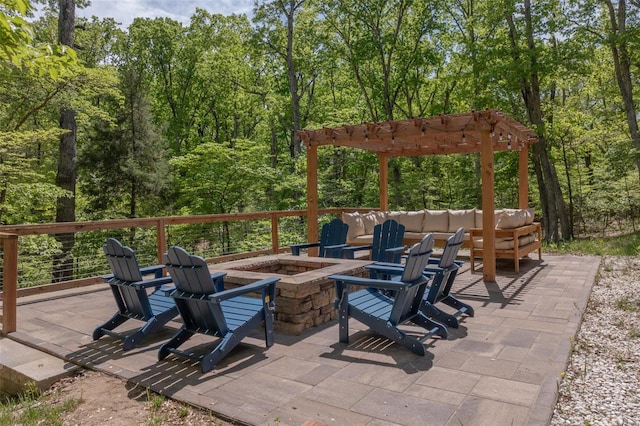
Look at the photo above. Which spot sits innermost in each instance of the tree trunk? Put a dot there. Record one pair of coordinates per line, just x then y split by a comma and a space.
66, 175
554, 209
618, 42
293, 80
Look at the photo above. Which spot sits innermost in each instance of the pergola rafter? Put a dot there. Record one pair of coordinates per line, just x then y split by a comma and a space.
483, 132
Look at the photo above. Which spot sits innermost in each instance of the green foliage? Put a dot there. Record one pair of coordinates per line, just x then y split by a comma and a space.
194, 95
25, 194
17, 48
221, 178
30, 409
621, 245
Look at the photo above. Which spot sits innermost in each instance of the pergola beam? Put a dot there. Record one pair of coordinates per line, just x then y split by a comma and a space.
483, 132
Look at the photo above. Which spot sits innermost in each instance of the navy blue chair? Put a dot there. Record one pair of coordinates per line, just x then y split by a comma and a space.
207, 308
386, 314
333, 238
131, 293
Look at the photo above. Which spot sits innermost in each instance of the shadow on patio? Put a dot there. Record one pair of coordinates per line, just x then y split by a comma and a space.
499, 367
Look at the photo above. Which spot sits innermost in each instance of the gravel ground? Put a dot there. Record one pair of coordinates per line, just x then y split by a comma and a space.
602, 383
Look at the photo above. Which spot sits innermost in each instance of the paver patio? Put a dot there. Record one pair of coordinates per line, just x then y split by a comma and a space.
499, 367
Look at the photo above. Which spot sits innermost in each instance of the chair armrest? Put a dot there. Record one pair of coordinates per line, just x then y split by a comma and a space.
154, 282
350, 250
435, 261
218, 280
334, 251
267, 286
336, 246
390, 253
154, 269
295, 248
342, 280
386, 268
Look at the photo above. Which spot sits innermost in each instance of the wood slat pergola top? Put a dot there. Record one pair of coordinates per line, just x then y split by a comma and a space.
483, 132
444, 134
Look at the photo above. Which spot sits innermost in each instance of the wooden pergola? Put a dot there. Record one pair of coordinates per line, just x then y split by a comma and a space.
481, 132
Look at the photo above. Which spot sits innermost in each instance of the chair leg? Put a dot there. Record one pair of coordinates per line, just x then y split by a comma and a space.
229, 341
178, 339
434, 327
343, 320
455, 303
116, 320
268, 327
151, 326
413, 344
431, 311
409, 342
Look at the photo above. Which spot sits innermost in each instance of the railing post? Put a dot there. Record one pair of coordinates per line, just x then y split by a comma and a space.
162, 240
275, 245
9, 283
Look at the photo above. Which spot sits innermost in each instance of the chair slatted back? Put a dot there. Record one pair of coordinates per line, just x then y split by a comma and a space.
443, 279
332, 233
386, 235
407, 302
131, 300
450, 252
193, 282
122, 261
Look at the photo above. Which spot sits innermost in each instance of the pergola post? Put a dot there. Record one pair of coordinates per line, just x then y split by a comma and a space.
312, 197
523, 177
444, 134
488, 208
383, 161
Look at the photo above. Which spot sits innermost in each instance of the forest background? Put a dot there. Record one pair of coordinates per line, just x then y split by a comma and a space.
165, 119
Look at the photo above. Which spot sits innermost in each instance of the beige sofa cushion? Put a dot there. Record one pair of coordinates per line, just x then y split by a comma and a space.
507, 243
461, 219
361, 240
412, 221
496, 216
356, 225
514, 218
436, 221
369, 220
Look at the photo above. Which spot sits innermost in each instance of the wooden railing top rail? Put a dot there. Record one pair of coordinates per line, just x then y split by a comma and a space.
71, 227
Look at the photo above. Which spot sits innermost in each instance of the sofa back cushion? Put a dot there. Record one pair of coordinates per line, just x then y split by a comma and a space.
514, 218
436, 221
412, 221
369, 220
461, 219
496, 217
356, 224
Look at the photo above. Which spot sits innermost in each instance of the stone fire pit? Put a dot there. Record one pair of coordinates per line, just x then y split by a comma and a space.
305, 295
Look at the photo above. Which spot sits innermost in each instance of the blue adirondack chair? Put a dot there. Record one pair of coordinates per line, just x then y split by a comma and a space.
131, 293
385, 314
443, 273
333, 237
207, 308
387, 243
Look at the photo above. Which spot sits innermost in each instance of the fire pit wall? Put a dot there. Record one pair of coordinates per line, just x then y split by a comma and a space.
304, 295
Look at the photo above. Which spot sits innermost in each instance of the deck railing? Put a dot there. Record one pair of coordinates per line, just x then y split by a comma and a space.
34, 262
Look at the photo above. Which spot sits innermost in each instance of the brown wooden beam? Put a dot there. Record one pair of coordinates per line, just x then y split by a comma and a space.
523, 177
9, 283
312, 197
383, 162
488, 209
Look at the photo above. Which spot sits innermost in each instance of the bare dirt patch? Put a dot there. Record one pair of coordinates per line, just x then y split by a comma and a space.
104, 399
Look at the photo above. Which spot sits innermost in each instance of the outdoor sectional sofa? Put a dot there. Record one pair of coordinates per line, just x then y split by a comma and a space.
511, 225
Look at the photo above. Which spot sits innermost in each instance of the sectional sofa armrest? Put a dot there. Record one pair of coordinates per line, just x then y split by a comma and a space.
511, 232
